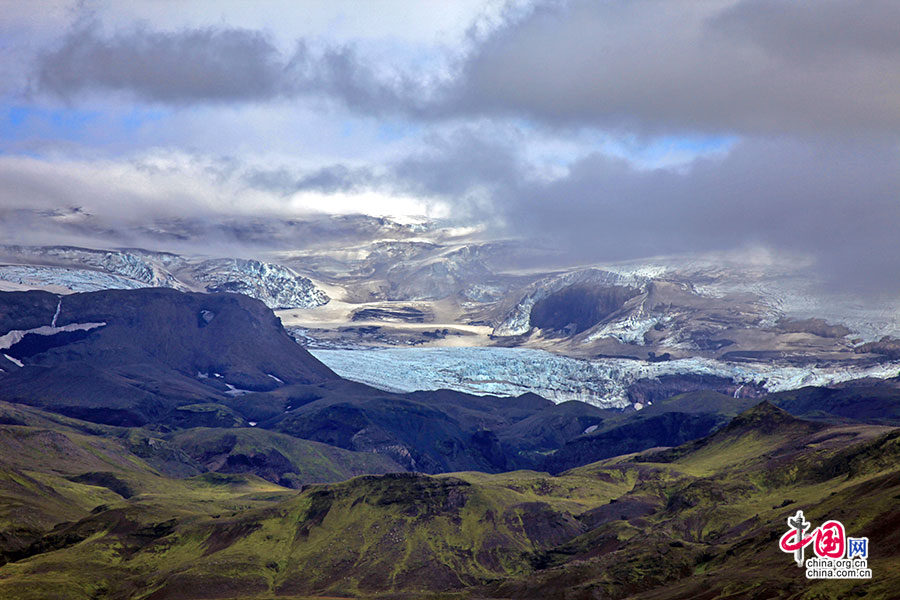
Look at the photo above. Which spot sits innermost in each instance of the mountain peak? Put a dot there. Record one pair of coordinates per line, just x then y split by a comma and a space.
764, 417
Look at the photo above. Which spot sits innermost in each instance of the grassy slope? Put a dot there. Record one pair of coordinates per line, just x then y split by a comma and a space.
720, 505
65, 483
699, 521
303, 461
403, 532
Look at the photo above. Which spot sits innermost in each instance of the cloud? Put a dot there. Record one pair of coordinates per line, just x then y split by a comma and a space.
836, 203
738, 67
215, 65
184, 202
180, 67
460, 162
514, 132
749, 67
328, 179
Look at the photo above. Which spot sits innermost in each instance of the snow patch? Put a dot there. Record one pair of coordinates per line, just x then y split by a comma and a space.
56, 314
628, 331
9, 339
15, 361
76, 280
234, 391
275, 285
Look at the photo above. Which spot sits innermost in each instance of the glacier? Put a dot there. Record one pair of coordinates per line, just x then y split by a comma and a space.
278, 287
601, 382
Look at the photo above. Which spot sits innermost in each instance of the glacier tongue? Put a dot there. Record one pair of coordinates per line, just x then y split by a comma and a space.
601, 382
75, 280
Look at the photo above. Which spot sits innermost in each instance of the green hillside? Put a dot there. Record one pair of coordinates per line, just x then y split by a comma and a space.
84, 518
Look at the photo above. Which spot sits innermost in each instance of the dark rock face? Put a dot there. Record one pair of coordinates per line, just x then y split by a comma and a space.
33, 344
107, 480
149, 356
240, 338
817, 327
579, 307
648, 391
403, 314
887, 347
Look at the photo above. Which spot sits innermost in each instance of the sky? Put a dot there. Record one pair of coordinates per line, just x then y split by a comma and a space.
607, 130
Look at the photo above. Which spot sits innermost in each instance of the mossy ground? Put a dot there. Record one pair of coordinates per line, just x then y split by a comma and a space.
700, 521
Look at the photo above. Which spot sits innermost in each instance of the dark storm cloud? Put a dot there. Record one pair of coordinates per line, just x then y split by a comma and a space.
816, 30
658, 66
753, 66
342, 74
211, 65
457, 164
449, 166
181, 67
839, 203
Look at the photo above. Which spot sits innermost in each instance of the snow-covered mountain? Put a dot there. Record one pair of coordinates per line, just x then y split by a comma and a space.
440, 291
587, 334
69, 269
517, 321
277, 286
87, 269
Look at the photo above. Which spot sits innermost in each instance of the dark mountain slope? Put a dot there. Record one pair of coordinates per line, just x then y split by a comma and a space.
550, 430
229, 334
668, 422
151, 351
634, 435
26, 310
876, 402
167, 360
675, 420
